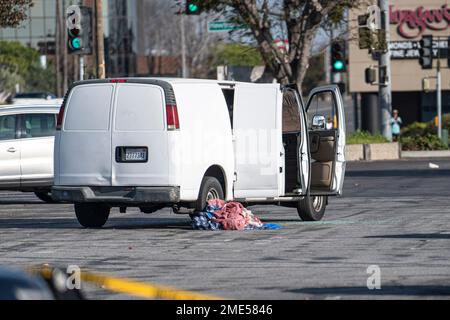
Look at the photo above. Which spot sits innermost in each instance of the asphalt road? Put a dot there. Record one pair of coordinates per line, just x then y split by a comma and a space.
395, 215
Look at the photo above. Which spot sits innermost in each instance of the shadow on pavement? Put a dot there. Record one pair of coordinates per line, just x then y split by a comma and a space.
398, 173
439, 236
34, 202
416, 290
112, 224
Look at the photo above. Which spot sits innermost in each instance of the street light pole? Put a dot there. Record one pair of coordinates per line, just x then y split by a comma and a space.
384, 68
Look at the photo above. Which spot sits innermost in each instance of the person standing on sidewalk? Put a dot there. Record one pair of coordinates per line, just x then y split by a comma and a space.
396, 122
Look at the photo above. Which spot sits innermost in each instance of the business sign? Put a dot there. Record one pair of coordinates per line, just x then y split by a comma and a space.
412, 23
410, 49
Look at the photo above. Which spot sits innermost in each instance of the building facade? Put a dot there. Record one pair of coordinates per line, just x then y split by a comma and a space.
123, 33
409, 21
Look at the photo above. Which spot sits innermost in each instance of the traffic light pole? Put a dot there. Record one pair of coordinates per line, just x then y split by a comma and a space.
183, 47
81, 67
384, 68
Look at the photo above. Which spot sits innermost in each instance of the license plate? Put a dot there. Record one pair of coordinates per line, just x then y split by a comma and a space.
132, 154
135, 154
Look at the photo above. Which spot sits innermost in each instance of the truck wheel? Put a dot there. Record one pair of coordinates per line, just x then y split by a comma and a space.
312, 208
45, 196
210, 189
92, 215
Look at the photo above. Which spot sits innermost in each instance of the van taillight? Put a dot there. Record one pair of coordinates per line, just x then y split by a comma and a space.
173, 122
60, 118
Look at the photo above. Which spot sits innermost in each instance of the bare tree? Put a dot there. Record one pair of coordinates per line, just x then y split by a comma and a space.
13, 12
164, 36
295, 20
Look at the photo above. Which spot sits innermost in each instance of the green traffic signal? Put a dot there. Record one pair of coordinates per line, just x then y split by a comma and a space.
338, 65
193, 8
76, 43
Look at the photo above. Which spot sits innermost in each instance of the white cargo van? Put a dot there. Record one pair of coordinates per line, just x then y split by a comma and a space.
154, 143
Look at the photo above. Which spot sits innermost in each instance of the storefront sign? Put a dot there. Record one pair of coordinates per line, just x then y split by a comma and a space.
410, 49
412, 23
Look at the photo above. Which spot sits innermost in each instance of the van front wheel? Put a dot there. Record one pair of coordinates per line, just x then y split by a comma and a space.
92, 215
210, 189
312, 208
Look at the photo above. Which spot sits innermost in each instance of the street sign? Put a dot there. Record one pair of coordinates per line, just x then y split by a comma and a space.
221, 26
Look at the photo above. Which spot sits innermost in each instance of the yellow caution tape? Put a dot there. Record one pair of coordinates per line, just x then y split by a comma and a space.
127, 286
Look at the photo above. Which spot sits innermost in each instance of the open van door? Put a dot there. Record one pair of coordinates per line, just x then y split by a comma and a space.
257, 140
295, 143
326, 127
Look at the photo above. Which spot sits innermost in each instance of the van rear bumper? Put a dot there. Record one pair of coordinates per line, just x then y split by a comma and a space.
117, 195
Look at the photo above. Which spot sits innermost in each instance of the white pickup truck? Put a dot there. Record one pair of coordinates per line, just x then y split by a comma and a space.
157, 142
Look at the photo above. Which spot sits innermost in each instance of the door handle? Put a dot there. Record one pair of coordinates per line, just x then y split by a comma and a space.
12, 150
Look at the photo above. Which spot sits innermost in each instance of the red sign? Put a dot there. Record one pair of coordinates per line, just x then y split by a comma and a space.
411, 23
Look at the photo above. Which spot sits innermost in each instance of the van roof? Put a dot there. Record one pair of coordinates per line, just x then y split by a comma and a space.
164, 79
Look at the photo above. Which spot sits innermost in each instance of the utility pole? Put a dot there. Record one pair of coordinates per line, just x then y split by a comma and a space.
384, 69
183, 47
58, 45
64, 49
100, 48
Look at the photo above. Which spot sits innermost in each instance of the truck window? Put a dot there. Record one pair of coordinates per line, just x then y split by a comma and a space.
229, 99
291, 116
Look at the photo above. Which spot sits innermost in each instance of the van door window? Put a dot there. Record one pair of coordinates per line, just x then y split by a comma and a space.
37, 125
8, 127
89, 108
139, 108
229, 99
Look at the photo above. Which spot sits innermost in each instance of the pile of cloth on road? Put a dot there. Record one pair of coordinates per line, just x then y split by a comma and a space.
222, 215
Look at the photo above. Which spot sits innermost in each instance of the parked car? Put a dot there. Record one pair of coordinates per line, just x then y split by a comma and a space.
35, 98
154, 143
26, 148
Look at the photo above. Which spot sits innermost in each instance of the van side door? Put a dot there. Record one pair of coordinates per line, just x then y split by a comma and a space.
257, 140
296, 144
326, 126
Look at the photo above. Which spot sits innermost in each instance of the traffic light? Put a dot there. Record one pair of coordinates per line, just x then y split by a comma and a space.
370, 75
193, 7
426, 52
338, 63
79, 30
364, 33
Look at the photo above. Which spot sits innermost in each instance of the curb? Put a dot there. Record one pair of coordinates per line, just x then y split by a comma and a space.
425, 154
373, 151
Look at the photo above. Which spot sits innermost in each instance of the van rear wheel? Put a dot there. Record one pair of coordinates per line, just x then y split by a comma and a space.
92, 215
210, 189
312, 208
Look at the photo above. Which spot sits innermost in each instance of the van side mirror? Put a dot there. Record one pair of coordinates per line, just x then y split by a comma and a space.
318, 122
